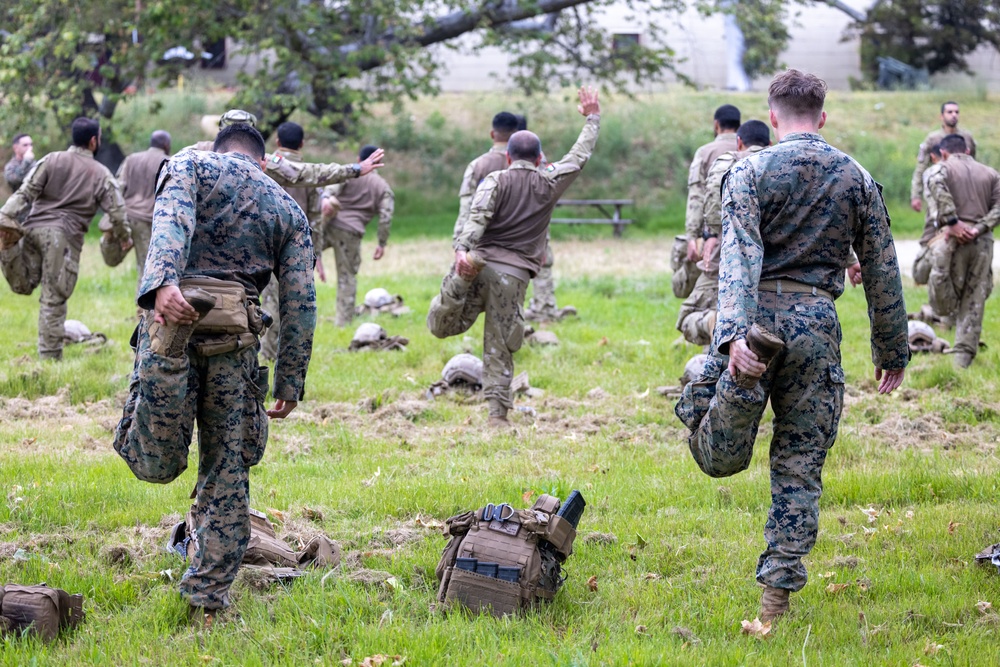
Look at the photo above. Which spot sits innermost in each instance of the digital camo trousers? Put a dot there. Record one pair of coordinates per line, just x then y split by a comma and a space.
805, 385
500, 296
961, 281
44, 257
166, 396
269, 302
347, 255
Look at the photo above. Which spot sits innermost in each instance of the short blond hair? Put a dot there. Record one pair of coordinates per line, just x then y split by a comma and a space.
797, 94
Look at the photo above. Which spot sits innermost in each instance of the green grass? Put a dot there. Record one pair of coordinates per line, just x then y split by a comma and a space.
925, 457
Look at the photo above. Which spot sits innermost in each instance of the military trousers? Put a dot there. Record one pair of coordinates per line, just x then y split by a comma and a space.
269, 302
142, 232
166, 397
696, 318
543, 297
922, 265
457, 308
347, 256
44, 257
805, 386
961, 281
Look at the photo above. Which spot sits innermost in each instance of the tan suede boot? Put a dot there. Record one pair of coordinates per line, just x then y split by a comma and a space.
773, 603
766, 346
170, 340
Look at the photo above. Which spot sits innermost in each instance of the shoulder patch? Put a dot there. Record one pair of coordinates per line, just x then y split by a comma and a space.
276, 159
551, 167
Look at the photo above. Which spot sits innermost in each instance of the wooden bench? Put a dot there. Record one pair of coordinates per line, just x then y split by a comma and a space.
603, 205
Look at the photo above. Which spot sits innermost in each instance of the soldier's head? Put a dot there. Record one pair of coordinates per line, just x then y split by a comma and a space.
366, 152
237, 116
949, 113
953, 144
160, 139
240, 138
753, 133
291, 135
86, 133
524, 145
935, 153
22, 144
504, 125
796, 102
727, 119
522, 121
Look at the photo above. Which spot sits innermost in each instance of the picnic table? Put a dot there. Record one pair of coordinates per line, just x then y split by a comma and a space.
605, 207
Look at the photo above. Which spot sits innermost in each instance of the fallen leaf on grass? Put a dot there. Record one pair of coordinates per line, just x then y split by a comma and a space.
275, 514
909, 514
378, 660
685, 634
651, 576
526, 496
827, 575
952, 526
431, 524
833, 589
984, 607
756, 629
640, 629
312, 514
374, 478
872, 514
347, 662
932, 648
603, 341
28, 441
592, 584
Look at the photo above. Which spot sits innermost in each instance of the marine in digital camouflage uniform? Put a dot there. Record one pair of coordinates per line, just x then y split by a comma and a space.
58, 200
358, 202
17, 168
290, 140
137, 179
790, 215
949, 125
967, 194
501, 248
216, 215
696, 318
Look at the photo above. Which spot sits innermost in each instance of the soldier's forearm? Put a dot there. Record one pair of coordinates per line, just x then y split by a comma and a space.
581, 151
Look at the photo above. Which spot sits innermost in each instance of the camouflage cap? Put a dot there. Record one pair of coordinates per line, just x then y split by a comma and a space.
237, 116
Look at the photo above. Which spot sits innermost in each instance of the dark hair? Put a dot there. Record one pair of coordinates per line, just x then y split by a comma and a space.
291, 135
505, 124
728, 117
366, 152
522, 121
242, 136
935, 150
754, 133
947, 103
954, 144
17, 138
524, 146
83, 130
797, 94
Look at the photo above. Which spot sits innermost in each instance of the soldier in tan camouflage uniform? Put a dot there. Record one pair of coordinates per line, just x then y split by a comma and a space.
949, 125
359, 201
696, 319
501, 248
933, 234
18, 167
968, 199
291, 137
219, 217
137, 179
790, 215
63, 193
495, 159
727, 121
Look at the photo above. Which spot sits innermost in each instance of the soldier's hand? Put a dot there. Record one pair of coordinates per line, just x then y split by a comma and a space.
373, 162
379, 251
854, 274
29, 155
889, 380
743, 360
327, 208
463, 267
916, 204
963, 232
709, 248
693, 253
282, 409
588, 101
172, 308
320, 269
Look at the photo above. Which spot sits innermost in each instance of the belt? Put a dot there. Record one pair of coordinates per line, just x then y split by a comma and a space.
791, 287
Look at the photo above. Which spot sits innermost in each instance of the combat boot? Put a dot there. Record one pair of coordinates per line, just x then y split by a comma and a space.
498, 415
10, 232
773, 603
766, 346
171, 340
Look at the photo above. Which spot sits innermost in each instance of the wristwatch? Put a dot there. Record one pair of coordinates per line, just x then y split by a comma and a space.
357, 169
707, 234
950, 222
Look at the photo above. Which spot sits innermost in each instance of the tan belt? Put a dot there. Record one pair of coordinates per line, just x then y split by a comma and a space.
791, 287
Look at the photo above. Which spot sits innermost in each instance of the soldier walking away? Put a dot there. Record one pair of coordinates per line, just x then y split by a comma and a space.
360, 201
696, 319
59, 198
291, 137
933, 234
220, 228
726, 122
967, 195
949, 126
502, 246
24, 159
790, 215
495, 159
137, 179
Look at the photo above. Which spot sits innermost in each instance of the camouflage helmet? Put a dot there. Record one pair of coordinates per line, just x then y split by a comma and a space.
920, 332
378, 297
463, 368
237, 116
694, 368
369, 333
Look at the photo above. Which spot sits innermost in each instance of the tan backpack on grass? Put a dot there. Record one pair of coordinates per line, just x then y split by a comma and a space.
501, 560
40, 609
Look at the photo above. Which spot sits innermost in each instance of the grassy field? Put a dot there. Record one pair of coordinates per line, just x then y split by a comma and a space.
910, 497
